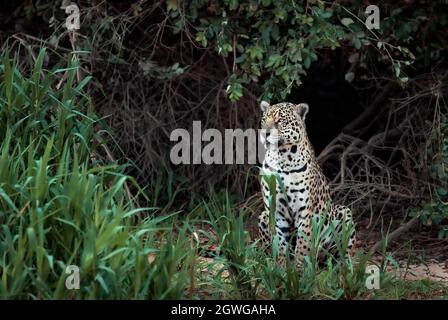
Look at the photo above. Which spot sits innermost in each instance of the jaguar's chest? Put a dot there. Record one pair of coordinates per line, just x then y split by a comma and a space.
292, 184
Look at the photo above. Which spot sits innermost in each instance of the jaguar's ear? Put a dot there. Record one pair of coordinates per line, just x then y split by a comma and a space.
264, 106
301, 110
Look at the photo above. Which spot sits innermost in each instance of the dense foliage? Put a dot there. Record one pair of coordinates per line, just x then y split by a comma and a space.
61, 205
275, 42
435, 210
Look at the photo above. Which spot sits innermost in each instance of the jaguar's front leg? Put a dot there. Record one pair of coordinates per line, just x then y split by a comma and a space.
282, 234
302, 249
344, 214
263, 229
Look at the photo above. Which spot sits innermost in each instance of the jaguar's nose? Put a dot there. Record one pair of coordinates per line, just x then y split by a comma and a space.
281, 141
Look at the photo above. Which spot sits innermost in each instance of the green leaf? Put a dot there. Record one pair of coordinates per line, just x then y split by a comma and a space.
346, 21
171, 5
255, 52
201, 38
234, 91
233, 5
356, 43
441, 191
275, 33
307, 62
326, 14
274, 60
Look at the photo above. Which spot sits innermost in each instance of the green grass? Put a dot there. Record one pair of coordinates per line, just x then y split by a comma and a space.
60, 205
63, 203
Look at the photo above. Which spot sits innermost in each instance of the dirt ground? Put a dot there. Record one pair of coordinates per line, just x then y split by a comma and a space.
419, 253
432, 270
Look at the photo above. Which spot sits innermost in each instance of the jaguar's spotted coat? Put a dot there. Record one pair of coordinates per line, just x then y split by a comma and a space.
305, 192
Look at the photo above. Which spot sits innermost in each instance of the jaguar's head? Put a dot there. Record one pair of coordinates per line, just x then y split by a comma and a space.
283, 123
